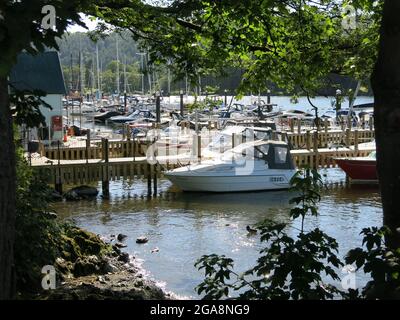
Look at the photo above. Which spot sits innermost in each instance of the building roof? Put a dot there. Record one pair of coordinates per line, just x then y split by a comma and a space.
38, 72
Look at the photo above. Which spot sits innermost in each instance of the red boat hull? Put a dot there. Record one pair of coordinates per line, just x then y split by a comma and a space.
361, 170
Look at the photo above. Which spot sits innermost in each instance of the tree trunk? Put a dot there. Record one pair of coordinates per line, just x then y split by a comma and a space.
7, 195
386, 86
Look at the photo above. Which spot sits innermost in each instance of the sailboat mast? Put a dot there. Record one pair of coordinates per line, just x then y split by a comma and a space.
125, 76
117, 67
71, 85
148, 72
169, 81
98, 71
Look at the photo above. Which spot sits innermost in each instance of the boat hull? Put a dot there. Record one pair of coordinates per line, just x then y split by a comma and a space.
359, 170
237, 183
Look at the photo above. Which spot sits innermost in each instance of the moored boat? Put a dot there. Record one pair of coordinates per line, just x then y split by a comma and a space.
360, 169
251, 166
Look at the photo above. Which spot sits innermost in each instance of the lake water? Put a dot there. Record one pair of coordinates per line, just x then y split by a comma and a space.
286, 103
185, 226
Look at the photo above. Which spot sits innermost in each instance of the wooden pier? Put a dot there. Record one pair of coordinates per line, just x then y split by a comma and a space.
105, 169
324, 139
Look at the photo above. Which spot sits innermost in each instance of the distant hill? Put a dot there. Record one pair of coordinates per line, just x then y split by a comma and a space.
74, 44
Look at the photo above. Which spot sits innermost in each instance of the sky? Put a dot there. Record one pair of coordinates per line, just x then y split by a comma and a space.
89, 23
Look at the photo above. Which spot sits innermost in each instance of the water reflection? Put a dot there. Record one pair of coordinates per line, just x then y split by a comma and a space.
185, 226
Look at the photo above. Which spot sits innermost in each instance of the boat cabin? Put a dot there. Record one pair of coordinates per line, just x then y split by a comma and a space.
274, 153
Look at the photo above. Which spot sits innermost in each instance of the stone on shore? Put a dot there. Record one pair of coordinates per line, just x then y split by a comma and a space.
121, 237
81, 192
142, 239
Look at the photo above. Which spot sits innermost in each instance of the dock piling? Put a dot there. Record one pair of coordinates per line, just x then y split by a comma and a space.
148, 173
347, 138
58, 184
181, 102
308, 140
155, 179
356, 140
199, 147
105, 184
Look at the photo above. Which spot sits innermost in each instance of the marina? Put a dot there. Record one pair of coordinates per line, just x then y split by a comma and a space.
136, 198
219, 152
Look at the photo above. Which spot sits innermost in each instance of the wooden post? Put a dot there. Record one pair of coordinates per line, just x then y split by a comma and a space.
225, 98
291, 124
134, 149
105, 184
299, 126
155, 180
58, 184
41, 149
199, 147
148, 179
326, 125
128, 132
371, 123
315, 149
87, 146
158, 108
233, 140
125, 103
123, 131
356, 140
308, 140
347, 141
181, 102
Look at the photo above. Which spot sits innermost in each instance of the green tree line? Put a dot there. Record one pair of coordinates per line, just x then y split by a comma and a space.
80, 49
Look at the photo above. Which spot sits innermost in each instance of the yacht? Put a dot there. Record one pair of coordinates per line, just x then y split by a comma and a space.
251, 166
138, 114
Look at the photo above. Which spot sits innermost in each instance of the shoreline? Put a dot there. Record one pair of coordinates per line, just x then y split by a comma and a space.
109, 274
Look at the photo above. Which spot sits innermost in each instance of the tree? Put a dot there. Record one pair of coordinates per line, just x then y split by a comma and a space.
21, 29
386, 87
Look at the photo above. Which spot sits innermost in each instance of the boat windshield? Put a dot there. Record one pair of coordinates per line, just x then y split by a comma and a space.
134, 113
277, 156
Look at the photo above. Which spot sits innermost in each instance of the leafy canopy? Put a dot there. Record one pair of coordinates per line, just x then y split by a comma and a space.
21, 27
294, 43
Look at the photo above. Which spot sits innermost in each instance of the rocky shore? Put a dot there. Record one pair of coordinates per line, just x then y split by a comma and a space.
90, 268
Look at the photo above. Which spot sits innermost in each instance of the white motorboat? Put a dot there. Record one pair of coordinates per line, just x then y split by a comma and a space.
251, 166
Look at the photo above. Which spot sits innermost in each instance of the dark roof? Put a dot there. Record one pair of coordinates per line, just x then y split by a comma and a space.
38, 72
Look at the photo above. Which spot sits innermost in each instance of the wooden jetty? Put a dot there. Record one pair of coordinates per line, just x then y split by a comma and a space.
325, 139
124, 160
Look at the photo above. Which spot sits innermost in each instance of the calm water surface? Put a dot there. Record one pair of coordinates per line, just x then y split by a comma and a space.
185, 226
